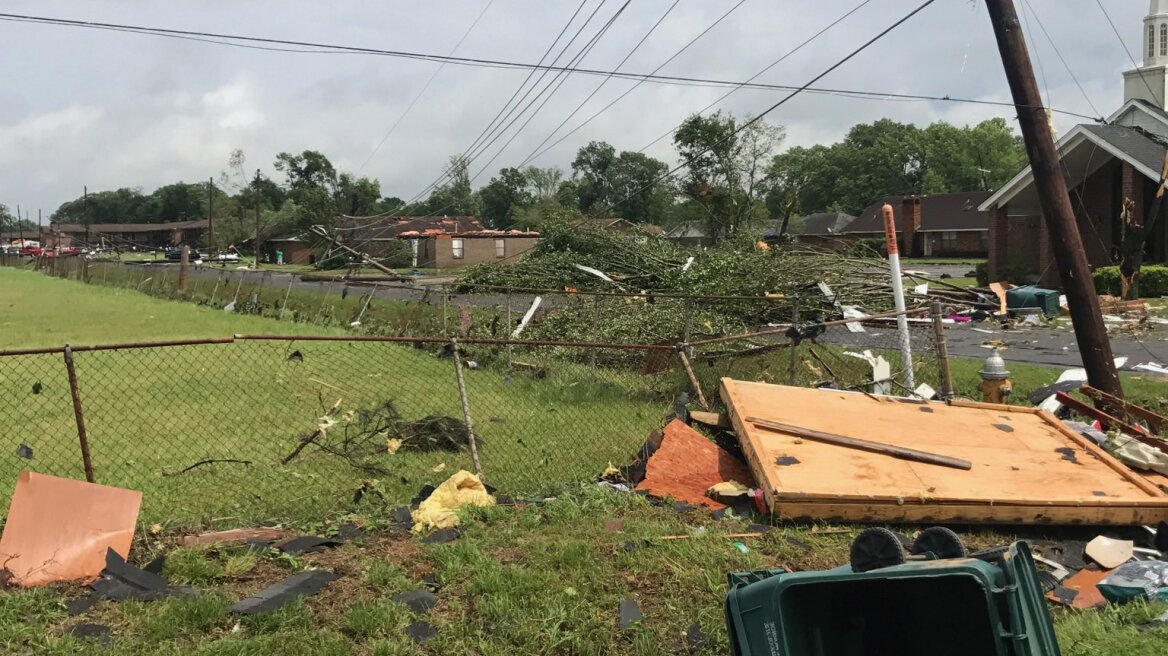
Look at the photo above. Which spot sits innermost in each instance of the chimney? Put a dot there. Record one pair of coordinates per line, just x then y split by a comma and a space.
910, 223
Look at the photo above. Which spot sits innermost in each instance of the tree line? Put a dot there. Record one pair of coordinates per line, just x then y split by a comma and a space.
735, 176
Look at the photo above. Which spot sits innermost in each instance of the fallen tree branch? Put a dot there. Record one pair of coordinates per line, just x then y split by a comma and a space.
208, 461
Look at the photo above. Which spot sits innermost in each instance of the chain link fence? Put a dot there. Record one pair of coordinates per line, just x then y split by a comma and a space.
248, 429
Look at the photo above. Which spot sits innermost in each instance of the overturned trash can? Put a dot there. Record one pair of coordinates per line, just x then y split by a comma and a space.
956, 607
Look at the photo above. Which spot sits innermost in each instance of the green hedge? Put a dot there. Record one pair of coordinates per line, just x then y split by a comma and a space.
1153, 280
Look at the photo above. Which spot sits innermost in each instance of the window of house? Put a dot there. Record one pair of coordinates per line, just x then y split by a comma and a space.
948, 241
500, 248
984, 240
1163, 40
1151, 41
456, 248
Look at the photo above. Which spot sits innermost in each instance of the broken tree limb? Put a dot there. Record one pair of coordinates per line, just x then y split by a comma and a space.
470, 436
208, 461
304, 441
881, 448
693, 379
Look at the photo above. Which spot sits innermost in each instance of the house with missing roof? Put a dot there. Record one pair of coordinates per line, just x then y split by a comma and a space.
445, 242
1105, 165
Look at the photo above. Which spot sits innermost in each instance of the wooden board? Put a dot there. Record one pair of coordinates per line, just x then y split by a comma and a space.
1028, 468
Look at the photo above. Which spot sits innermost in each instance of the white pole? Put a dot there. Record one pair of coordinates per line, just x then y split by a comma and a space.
898, 297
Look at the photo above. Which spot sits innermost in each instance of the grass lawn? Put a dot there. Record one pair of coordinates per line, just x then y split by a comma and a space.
150, 413
521, 580
964, 261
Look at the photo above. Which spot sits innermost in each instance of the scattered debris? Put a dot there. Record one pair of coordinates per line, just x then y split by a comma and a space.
1080, 591
274, 597
1142, 580
60, 530
235, 536
630, 614
421, 632
442, 536
418, 601
306, 544
440, 509
97, 632
687, 464
1108, 552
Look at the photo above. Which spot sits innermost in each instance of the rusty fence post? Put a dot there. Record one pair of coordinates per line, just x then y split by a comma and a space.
470, 437
510, 327
947, 391
79, 415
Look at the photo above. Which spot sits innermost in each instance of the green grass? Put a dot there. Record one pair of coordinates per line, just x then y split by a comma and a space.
521, 580
964, 261
151, 413
42, 311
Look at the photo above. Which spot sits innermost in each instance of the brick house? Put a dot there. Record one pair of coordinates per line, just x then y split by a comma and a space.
822, 230
932, 225
1104, 165
455, 250
124, 236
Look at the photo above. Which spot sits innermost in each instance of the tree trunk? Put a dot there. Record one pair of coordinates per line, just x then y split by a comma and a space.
1135, 236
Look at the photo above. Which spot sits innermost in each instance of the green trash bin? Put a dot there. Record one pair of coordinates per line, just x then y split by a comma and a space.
956, 607
1030, 296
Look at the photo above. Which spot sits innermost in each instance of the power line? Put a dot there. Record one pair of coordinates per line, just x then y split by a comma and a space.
638, 84
768, 67
426, 86
1059, 54
784, 100
558, 81
493, 132
488, 63
1125, 48
522, 85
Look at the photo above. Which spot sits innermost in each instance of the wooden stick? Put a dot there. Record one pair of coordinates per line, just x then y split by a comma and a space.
693, 379
864, 445
1108, 421
1155, 421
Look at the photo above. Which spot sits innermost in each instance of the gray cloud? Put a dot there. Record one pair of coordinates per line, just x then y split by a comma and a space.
109, 109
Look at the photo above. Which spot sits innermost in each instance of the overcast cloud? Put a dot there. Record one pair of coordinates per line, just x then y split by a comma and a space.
110, 109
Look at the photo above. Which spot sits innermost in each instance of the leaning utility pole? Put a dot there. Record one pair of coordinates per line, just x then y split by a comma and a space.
1051, 185
85, 210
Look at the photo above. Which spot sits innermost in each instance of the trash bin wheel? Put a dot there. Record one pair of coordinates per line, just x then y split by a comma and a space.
877, 547
942, 542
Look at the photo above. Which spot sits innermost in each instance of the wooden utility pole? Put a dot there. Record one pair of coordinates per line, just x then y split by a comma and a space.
1051, 185
256, 186
211, 220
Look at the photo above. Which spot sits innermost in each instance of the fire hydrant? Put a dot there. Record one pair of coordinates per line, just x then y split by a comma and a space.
995, 379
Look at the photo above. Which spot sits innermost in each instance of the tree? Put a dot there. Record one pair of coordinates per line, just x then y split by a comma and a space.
454, 197
543, 183
504, 198
727, 168
886, 158
357, 196
310, 169
625, 185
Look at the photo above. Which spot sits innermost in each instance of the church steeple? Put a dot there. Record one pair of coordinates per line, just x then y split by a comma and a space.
1156, 34
1150, 82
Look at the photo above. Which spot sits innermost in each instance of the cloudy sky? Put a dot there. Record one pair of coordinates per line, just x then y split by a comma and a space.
111, 109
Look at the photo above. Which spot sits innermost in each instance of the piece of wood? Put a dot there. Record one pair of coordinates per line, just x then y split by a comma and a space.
864, 445
1155, 421
1029, 467
715, 419
1107, 420
734, 536
693, 379
999, 290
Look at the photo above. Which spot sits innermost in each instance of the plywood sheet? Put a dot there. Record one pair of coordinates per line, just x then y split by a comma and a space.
1027, 467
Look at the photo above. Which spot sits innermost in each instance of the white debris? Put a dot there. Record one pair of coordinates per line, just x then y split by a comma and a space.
881, 370
853, 312
527, 316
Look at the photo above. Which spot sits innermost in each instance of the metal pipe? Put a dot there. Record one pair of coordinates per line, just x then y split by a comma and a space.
442, 340
79, 415
119, 346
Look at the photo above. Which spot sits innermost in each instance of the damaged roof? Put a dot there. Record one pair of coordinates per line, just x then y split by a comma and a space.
826, 223
392, 227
